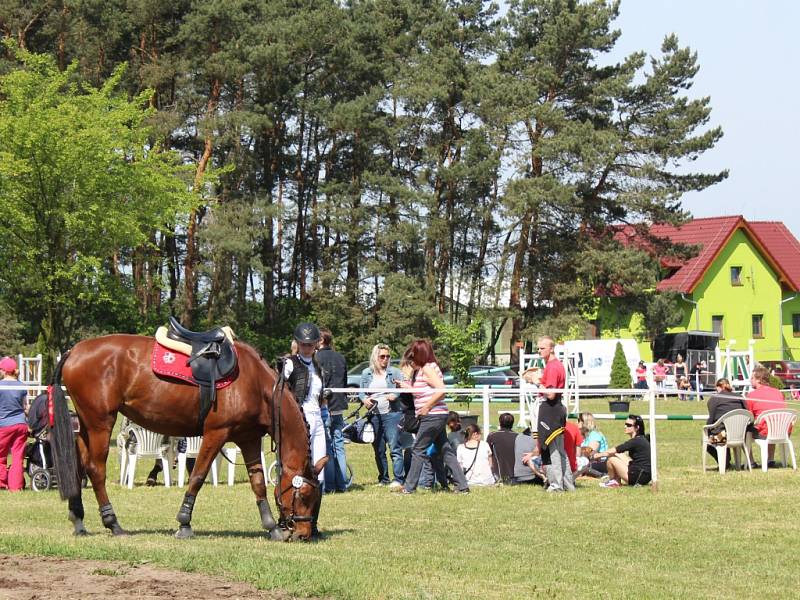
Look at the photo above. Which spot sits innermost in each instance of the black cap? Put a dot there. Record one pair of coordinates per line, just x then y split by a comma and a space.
307, 333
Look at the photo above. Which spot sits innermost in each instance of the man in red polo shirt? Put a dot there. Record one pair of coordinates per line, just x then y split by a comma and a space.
552, 420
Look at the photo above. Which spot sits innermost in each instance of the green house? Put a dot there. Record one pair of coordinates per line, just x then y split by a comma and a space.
743, 284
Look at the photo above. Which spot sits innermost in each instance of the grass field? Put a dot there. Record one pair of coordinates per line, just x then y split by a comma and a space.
700, 535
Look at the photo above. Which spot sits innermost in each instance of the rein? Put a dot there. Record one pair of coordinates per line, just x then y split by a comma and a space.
298, 480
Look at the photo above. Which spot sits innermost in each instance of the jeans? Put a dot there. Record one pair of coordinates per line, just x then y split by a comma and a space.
336, 468
432, 431
387, 433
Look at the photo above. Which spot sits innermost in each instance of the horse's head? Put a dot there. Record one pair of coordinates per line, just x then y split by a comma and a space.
298, 497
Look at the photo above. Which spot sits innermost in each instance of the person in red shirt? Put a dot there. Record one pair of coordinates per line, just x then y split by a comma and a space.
573, 438
763, 397
552, 418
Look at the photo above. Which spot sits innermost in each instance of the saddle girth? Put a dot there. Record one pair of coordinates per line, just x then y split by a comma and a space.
212, 358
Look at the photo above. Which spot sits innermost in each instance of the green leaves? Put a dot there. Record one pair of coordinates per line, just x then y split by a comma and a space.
81, 182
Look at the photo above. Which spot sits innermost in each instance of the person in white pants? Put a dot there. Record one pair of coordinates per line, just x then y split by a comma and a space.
303, 373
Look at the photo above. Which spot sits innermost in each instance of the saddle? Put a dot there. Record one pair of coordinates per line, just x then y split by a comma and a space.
211, 357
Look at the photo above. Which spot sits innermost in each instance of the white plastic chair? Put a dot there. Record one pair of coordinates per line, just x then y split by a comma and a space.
148, 444
192, 450
735, 422
778, 422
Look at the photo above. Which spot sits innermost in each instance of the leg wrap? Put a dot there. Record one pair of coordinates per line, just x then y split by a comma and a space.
107, 516
185, 512
75, 504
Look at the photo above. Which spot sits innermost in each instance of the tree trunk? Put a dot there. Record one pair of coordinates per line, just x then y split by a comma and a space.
192, 254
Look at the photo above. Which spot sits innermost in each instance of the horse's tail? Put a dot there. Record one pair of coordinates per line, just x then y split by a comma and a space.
63, 439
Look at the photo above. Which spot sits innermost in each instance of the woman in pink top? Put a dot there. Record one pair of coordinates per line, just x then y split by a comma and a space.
429, 406
659, 375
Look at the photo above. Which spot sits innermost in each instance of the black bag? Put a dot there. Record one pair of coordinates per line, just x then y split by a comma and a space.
360, 432
410, 422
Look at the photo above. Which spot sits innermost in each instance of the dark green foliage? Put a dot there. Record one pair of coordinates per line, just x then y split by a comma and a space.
375, 165
620, 371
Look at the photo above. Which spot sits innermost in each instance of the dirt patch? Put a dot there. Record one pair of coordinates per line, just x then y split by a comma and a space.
40, 578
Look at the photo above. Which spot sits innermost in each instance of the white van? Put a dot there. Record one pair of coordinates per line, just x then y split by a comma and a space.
593, 358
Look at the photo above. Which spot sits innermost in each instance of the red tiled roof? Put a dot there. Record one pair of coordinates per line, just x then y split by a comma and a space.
776, 238
778, 246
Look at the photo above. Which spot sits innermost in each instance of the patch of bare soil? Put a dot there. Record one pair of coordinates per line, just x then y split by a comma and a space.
39, 578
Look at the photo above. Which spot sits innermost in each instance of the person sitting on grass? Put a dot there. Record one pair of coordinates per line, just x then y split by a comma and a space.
593, 442
502, 444
456, 435
475, 457
527, 461
635, 468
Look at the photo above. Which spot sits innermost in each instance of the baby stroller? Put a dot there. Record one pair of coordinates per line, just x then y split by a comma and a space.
360, 430
38, 455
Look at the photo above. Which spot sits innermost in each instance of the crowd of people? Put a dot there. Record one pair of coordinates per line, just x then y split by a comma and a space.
411, 420
686, 380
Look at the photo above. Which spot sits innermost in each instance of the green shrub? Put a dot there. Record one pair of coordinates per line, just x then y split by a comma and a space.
620, 372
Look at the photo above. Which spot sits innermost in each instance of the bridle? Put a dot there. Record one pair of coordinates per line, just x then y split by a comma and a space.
297, 480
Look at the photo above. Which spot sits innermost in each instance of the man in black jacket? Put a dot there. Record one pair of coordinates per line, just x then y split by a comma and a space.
334, 375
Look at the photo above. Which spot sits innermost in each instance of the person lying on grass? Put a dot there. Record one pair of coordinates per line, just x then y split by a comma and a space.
635, 468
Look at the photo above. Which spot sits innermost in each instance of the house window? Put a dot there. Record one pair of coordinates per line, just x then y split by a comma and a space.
716, 326
736, 275
758, 326
796, 325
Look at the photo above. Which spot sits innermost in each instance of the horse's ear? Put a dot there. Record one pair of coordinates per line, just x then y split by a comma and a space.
320, 464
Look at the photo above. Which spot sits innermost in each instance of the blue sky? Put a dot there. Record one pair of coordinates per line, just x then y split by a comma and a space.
749, 57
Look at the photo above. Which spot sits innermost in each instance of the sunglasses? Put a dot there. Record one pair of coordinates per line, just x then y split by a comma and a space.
383, 356
629, 424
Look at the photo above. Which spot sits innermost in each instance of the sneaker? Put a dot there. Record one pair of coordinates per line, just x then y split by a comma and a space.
604, 479
464, 491
611, 483
394, 485
404, 491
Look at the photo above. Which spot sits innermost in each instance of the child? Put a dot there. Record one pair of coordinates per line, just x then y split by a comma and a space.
683, 388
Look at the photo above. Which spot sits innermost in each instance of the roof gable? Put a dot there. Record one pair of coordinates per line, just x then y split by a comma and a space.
772, 239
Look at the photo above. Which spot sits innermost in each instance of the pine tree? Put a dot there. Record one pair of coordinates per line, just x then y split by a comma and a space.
620, 371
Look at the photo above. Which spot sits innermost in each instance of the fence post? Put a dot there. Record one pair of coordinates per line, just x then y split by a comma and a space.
486, 400
653, 449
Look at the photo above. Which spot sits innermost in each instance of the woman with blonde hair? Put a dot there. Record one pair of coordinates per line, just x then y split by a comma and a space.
593, 442
387, 414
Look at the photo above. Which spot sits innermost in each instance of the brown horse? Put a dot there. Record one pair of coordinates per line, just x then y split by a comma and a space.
112, 374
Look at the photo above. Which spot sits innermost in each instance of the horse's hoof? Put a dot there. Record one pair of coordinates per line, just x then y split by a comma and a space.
184, 533
80, 532
118, 531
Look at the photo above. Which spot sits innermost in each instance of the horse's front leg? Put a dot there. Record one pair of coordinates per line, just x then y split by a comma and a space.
93, 450
251, 451
212, 444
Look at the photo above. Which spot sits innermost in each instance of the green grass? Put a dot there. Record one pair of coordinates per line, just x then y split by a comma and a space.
700, 535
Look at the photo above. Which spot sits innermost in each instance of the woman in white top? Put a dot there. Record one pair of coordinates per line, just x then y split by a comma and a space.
475, 458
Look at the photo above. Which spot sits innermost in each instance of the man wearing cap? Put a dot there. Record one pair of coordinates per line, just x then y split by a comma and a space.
334, 375
304, 374
13, 427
